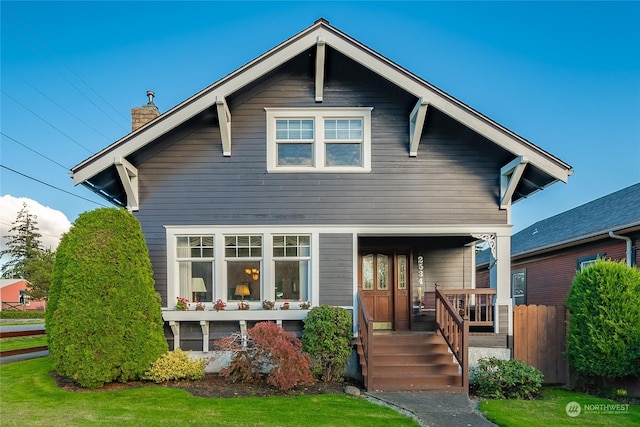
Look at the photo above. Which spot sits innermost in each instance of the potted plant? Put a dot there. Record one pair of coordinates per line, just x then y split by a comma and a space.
284, 306
182, 304
219, 305
305, 305
199, 306
243, 305
268, 305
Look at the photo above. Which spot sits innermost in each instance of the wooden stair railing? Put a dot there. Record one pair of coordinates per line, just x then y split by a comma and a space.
455, 330
476, 305
365, 334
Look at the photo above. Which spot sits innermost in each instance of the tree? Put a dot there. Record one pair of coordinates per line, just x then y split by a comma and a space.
104, 320
23, 244
38, 272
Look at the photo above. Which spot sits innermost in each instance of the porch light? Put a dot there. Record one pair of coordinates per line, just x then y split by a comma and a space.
242, 291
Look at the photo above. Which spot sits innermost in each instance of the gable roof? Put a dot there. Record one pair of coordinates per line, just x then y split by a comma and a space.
544, 169
616, 212
8, 282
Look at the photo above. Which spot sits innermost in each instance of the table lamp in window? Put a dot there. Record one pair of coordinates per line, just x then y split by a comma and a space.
242, 291
198, 287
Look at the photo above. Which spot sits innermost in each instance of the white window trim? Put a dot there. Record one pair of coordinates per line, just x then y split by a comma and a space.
318, 115
297, 258
267, 276
225, 263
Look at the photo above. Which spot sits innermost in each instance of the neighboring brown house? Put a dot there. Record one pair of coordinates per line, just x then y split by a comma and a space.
323, 171
546, 255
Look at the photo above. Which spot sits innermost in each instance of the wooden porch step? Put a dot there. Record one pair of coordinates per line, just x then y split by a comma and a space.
416, 383
410, 362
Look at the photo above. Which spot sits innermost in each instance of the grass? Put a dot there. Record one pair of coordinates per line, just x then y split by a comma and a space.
17, 322
551, 411
34, 396
22, 342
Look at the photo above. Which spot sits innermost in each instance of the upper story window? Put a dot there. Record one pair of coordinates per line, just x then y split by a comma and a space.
319, 139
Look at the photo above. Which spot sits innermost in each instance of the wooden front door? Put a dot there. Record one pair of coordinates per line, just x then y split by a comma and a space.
384, 283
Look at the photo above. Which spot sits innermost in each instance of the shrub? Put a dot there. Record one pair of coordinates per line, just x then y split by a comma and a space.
175, 365
21, 314
103, 320
604, 328
327, 338
506, 379
270, 355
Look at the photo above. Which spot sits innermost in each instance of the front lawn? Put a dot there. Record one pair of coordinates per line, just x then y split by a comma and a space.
22, 342
30, 393
551, 410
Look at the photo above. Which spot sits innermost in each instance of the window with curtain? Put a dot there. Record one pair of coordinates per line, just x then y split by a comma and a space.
195, 258
291, 257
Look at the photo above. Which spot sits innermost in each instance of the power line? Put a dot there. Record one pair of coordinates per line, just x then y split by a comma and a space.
31, 149
62, 75
61, 107
52, 186
41, 118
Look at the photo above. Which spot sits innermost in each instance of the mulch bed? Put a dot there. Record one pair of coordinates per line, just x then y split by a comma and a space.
213, 385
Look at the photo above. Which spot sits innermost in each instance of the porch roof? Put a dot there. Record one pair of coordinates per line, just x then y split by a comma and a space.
618, 211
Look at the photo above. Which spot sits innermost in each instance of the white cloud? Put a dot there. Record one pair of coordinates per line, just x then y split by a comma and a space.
52, 224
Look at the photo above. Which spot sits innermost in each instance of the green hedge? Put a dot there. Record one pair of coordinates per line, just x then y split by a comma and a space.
104, 321
604, 329
20, 314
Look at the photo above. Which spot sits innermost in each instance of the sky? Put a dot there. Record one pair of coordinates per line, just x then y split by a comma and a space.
563, 75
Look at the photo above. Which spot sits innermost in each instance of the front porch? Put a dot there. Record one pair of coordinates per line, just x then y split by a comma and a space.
434, 355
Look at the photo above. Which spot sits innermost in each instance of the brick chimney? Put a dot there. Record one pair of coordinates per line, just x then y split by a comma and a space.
142, 115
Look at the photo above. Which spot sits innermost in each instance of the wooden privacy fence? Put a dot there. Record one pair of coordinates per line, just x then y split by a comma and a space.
539, 339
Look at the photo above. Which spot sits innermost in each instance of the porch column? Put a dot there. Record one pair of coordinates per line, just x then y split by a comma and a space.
500, 279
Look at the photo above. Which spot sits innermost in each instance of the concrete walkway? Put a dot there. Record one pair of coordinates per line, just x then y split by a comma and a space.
433, 409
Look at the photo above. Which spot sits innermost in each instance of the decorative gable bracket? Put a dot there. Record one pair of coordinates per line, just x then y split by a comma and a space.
320, 49
510, 175
417, 119
129, 177
224, 123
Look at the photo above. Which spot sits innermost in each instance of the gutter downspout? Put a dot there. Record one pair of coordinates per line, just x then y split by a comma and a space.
628, 240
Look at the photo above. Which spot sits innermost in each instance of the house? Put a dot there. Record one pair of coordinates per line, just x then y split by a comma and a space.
323, 171
546, 255
14, 296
